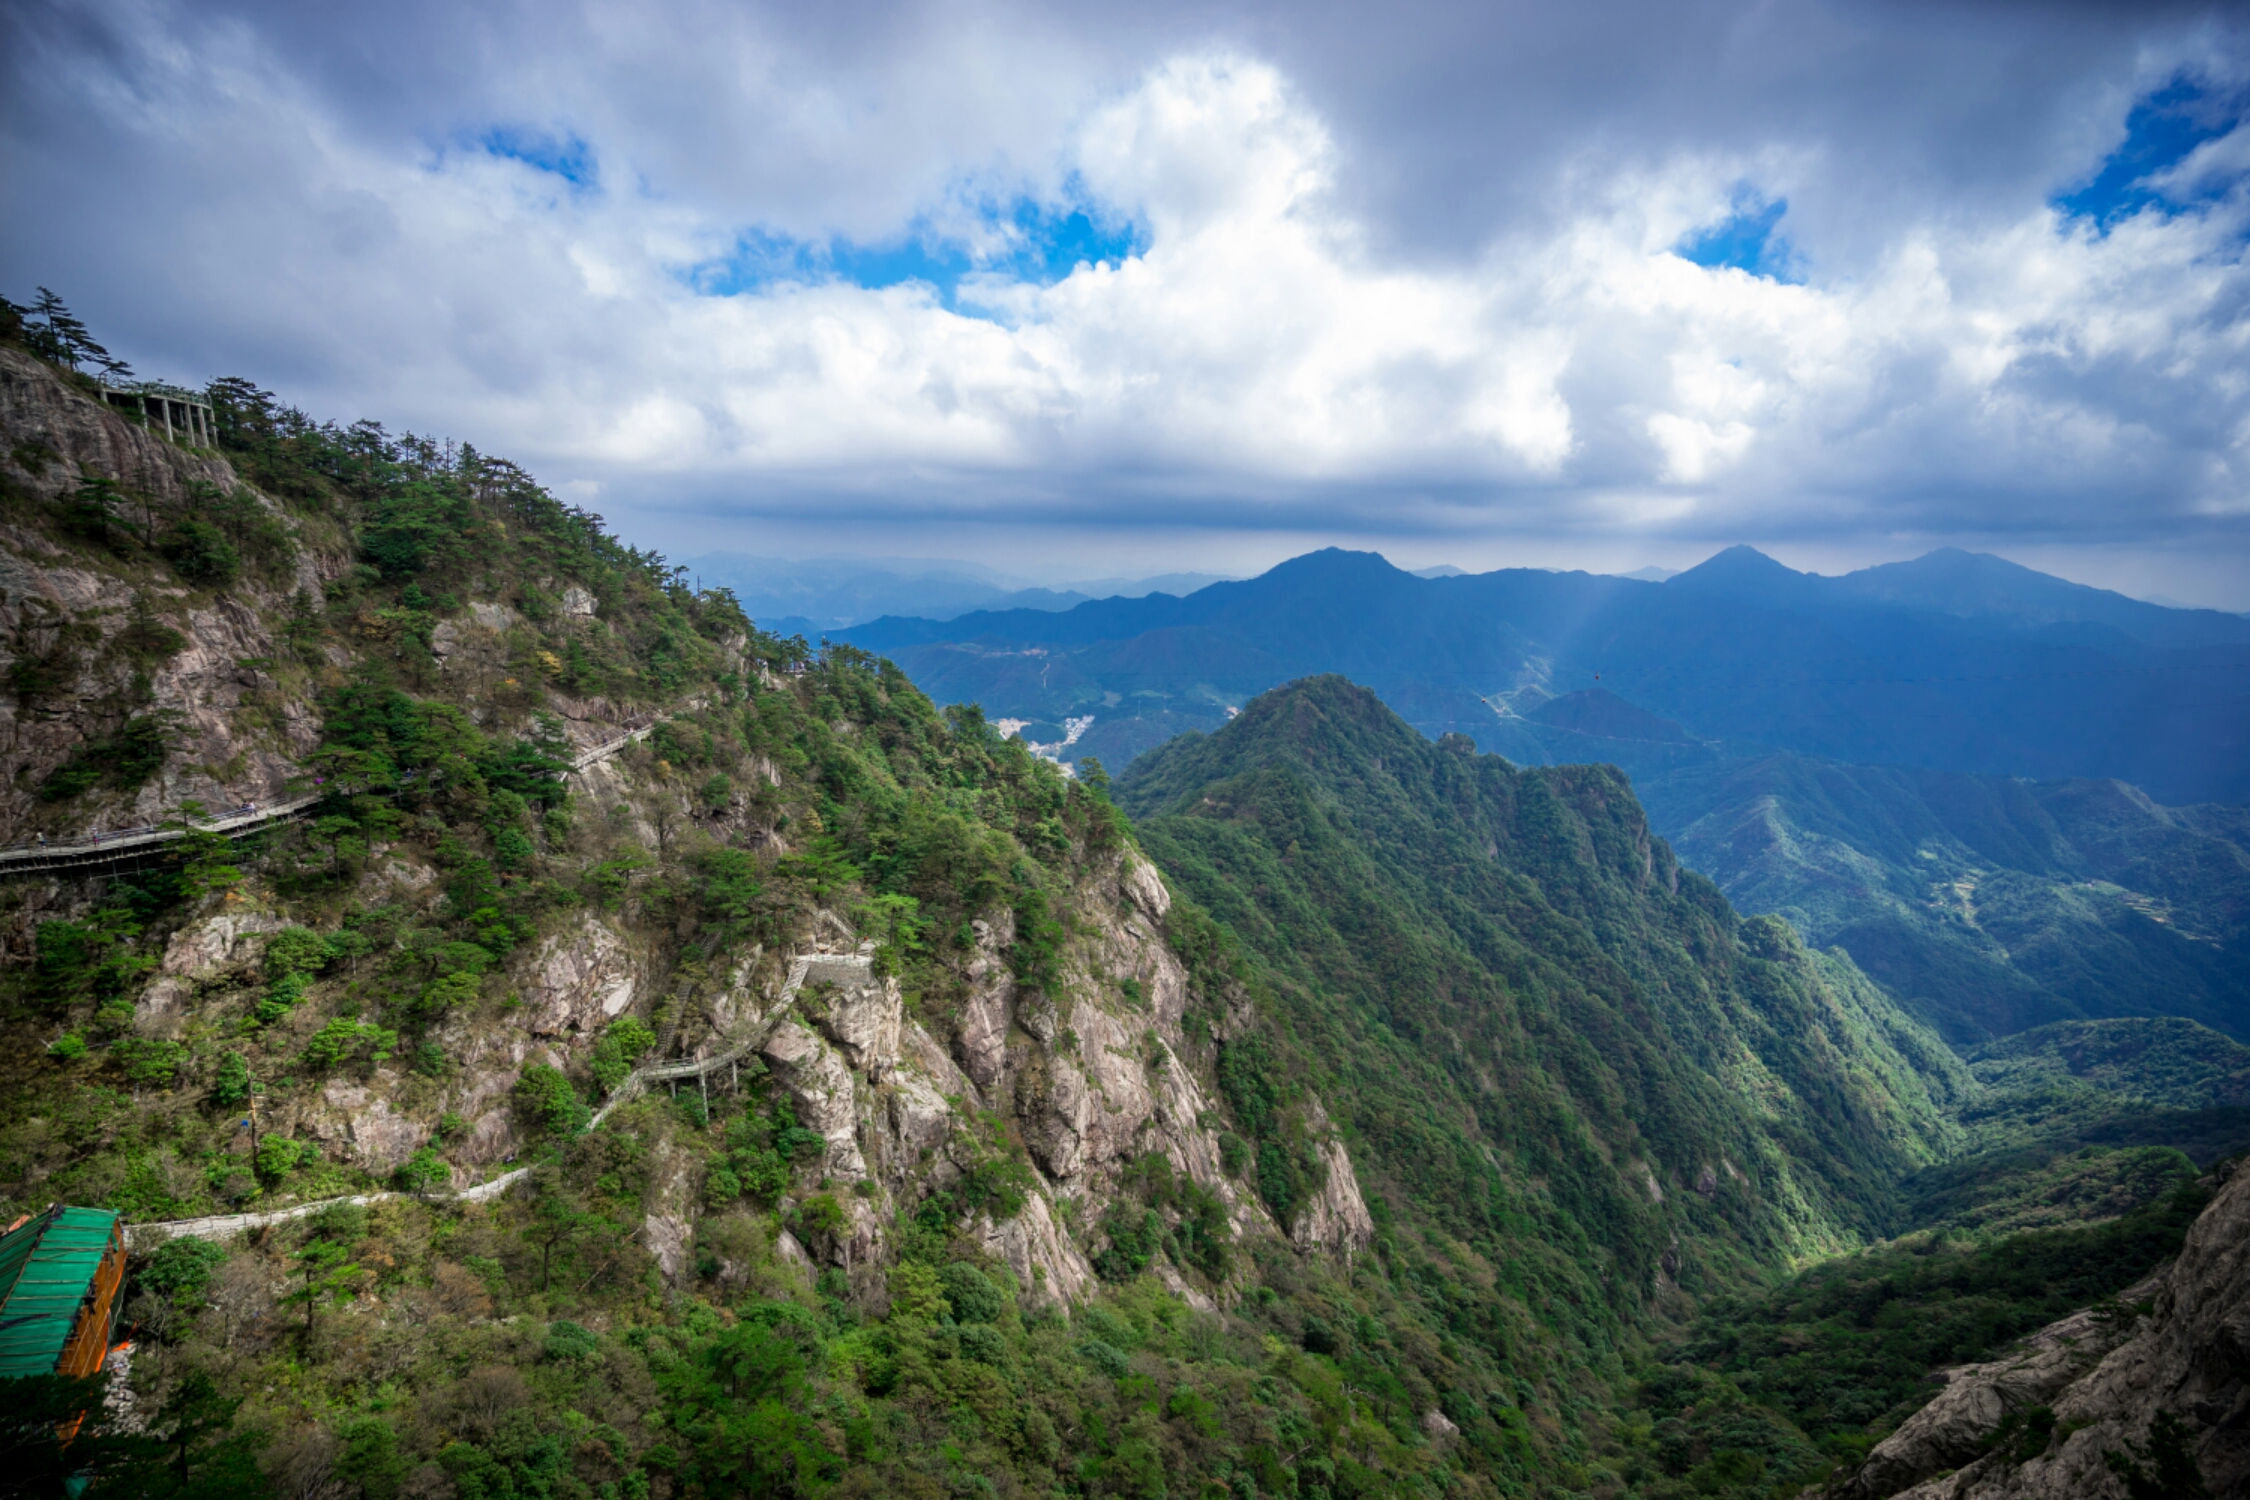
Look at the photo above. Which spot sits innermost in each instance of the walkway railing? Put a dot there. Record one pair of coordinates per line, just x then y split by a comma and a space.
123, 843
105, 845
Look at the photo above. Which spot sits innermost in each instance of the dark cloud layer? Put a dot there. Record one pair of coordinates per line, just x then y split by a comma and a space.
1400, 272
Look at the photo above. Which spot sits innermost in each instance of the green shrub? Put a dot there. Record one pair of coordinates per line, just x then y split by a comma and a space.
201, 554
280, 998
566, 1340
423, 1171
983, 1343
368, 1452
232, 1087
1106, 1357
721, 1186
511, 849
69, 1046
181, 1269
296, 950
973, 1296
622, 1045
820, 1219
278, 1156
122, 761
446, 993
154, 1063
1134, 1234
546, 1101
341, 1040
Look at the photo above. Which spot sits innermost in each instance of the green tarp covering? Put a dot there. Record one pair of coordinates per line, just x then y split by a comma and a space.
45, 1269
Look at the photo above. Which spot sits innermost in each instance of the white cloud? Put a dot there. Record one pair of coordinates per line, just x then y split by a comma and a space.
1267, 350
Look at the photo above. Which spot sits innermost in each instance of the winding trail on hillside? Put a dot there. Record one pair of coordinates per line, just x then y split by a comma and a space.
143, 1237
112, 845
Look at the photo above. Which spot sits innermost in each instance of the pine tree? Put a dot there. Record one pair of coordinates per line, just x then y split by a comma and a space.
63, 336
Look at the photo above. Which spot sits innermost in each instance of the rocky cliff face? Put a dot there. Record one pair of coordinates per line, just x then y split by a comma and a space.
1078, 1079
1090, 1077
90, 640
2037, 1424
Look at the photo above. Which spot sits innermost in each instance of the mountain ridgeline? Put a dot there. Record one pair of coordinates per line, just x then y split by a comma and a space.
1937, 765
1525, 1002
2023, 675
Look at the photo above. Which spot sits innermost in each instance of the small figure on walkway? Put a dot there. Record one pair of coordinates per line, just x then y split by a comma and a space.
42, 840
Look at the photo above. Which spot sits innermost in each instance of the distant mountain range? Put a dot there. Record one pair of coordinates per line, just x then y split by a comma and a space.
1918, 762
814, 596
1955, 661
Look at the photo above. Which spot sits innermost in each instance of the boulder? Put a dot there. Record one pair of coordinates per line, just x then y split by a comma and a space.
371, 1132
578, 980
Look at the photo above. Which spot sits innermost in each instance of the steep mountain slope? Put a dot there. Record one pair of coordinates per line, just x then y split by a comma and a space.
170, 617
1585, 1028
2158, 1388
1407, 903
1740, 649
913, 1153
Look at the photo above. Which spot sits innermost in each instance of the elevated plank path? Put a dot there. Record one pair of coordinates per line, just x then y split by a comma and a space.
113, 845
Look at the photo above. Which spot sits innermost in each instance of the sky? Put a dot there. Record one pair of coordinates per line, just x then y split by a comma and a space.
1090, 290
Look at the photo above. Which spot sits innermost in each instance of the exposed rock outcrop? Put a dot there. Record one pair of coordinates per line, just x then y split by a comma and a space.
2105, 1381
1337, 1217
199, 951
853, 1008
821, 1089
363, 1127
580, 979
237, 732
982, 1038
1048, 1267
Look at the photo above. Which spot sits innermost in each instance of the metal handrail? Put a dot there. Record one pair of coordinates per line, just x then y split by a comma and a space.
154, 388
249, 815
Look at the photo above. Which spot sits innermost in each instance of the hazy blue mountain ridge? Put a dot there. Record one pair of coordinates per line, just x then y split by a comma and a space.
1740, 650
814, 595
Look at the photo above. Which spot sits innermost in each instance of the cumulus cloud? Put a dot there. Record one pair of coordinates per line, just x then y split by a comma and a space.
637, 256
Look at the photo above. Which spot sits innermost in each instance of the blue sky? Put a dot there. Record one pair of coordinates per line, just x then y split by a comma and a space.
1099, 289
1747, 239
1024, 241
2163, 128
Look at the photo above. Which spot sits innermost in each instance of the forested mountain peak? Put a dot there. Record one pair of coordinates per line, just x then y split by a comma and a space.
1467, 905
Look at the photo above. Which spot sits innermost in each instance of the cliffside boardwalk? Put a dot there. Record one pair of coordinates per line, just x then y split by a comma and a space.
114, 845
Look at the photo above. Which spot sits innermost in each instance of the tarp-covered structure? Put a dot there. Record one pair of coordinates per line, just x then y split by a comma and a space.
60, 1275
